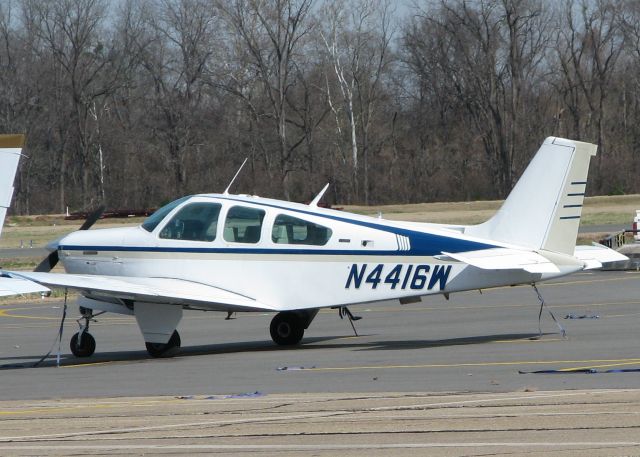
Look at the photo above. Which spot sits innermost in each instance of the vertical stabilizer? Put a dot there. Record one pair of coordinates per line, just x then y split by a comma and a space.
10, 149
544, 208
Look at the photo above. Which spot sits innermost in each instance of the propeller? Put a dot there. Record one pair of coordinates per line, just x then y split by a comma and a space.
52, 259
92, 218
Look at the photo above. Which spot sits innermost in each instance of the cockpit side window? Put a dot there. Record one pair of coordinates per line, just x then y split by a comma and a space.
152, 221
194, 222
292, 230
243, 225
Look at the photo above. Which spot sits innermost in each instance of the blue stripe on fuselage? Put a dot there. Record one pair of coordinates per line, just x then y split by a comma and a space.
422, 244
428, 251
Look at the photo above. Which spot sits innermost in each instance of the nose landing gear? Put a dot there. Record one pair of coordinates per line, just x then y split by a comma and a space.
83, 344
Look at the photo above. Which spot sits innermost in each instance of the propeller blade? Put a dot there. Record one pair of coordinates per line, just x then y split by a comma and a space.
48, 263
92, 218
52, 259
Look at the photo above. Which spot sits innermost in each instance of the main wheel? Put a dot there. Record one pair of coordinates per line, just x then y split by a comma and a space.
286, 329
168, 349
83, 348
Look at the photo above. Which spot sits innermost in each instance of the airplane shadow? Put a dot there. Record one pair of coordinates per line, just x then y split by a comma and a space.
425, 344
310, 344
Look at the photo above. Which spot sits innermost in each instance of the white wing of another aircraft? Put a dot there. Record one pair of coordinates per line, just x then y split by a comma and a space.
10, 149
223, 252
17, 286
10, 152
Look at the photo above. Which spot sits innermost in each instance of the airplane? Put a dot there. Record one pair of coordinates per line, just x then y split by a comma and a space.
243, 253
10, 153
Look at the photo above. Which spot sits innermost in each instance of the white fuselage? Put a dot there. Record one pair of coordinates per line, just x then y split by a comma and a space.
363, 260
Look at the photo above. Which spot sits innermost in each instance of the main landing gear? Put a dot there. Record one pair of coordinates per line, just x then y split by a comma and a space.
168, 349
83, 344
287, 328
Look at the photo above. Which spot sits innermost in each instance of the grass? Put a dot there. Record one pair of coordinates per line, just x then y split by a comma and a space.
40, 230
21, 263
602, 210
618, 209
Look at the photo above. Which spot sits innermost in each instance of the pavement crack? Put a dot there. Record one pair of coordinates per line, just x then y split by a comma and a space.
118, 435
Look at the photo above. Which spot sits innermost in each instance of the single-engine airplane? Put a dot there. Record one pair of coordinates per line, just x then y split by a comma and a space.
242, 253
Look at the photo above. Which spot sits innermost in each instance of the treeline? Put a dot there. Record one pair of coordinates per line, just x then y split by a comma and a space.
134, 103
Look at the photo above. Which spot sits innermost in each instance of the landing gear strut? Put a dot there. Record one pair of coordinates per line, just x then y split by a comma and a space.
168, 349
83, 344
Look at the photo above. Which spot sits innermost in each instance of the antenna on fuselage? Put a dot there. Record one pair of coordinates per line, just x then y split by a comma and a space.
226, 191
316, 200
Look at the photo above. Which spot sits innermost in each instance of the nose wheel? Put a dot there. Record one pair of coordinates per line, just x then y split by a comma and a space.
83, 344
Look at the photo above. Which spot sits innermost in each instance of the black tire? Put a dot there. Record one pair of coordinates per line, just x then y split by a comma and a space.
87, 345
286, 329
168, 349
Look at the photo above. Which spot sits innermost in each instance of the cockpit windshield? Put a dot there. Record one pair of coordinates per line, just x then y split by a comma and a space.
152, 221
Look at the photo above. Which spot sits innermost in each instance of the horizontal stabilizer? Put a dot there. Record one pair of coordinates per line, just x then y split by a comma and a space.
151, 290
17, 286
506, 259
596, 254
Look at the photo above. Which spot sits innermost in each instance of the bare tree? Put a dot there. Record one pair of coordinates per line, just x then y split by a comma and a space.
589, 44
175, 52
486, 50
357, 39
137, 101
272, 32
89, 72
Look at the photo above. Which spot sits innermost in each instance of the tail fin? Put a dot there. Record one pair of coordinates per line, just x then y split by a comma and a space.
10, 149
544, 208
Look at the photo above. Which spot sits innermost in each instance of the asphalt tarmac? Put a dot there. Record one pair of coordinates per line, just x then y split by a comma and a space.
562, 423
438, 378
8, 253
472, 343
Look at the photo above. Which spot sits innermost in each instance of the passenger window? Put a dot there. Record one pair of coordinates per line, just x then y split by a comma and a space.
291, 230
194, 222
243, 225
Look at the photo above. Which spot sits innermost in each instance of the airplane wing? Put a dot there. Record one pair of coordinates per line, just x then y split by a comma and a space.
18, 286
10, 148
152, 290
506, 259
596, 254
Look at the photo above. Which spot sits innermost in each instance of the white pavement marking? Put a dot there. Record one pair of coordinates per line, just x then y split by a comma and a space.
320, 414
304, 447
60, 436
482, 400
